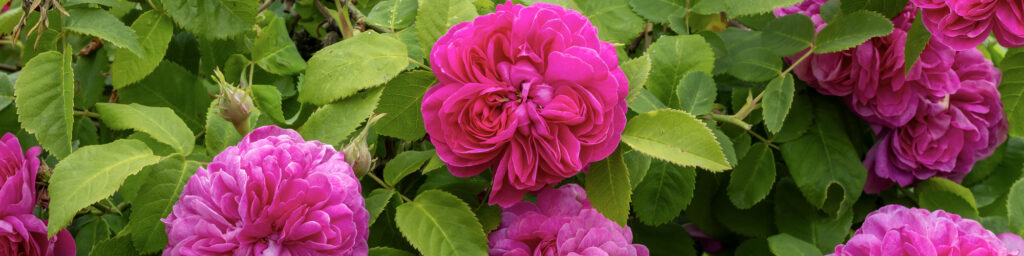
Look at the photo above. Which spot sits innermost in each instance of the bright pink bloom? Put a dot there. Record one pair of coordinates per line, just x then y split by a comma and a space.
562, 222
948, 134
529, 91
964, 24
272, 194
22, 233
1013, 243
898, 230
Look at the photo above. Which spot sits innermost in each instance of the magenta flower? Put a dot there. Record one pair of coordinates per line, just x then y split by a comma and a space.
562, 222
964, 24
22, 233
948, 134
1014, 244
529, 91
272, 194
898, 230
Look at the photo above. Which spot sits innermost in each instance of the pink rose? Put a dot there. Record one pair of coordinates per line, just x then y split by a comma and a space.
1013, 243
529, 91
272, 194
562, 222
964, 24
898, 230
22, 233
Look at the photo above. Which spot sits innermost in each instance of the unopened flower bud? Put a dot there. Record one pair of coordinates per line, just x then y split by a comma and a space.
357, 153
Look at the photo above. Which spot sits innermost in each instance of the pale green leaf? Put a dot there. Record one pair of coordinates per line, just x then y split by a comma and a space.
787, 245
677, 137
438, 223
665, 191
170, 85
851, 30
434, 17
778, 97
377, 201
160, 123
658, 10
1011, 89
636, 71
156, 199
697, 93
213, 19
736, 8
942, 194
220, 133
788, 35
90, 174
6, 91
401, 102
268, 100
608, 187
672, 57
358, 63
645, 102
755, 64
44, 96
615, 20
333, 123
752, 179
393, 14
405, 163
889, 8
154, 32
99, 23
274, 50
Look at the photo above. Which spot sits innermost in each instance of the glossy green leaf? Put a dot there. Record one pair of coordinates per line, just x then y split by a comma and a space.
154, 32
939, 193
155, 200
636, 71
358, 63
268, 100
638, 164
1011, 89
796, 125
44, 95
665, 191
752, 179
787, 245
697, 92
677, 137
438, 223
120, 245
788, 34
213, 19
377, 201
778, 97
90, 174
851, 30
99, 23
1015, 207
434, 17
797, 217
405, 163
658, 10
401, 101
755, 64
672, 57
393, 14
608, 187
917, 38
160, 123
333, 123
220, 133
274, 50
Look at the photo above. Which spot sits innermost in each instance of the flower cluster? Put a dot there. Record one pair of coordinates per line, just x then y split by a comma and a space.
529, 91
898, 230
22, 233
936, 119
964, 24
275, 194
562, 222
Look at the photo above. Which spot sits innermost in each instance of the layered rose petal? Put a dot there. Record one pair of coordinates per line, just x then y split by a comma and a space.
17, 176
948, 134
1014, 244
528, 91
898, 230
272, 194
24, 234
964, 24
562, 222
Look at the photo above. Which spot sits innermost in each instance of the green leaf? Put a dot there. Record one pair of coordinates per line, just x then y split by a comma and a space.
220, 133
697, 93
90, 174
387, 251
778, 97
658, 10
434, 163
796, 217
489, 216
6, 91
401, 102
753, 177
155, 201
739, 220
939, 193
836, 162
796, 125
91, 80
727, 148
160, 123
736, 8
70, 3
608, 187
917, 39
830, 10
889, 8
154, 32
99, 23
1011, 89
405, 163
1015, 207
333, 123
664, 240
213, 19
44, 100
1004, 167
393, 14
377, 201
434, 17
677, 137
788, 34
636, 71
90, 230
755, 65
645, 102
268, 101
614, 20
787, 245
119, 245
274, 50
638, 164
665, 191
438, 223
851, 30
672, 57
344, 68
174, 87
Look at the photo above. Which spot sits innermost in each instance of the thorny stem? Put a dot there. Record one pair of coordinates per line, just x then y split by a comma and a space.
386, 186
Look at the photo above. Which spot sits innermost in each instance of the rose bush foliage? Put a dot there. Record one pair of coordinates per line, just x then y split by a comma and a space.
524, 127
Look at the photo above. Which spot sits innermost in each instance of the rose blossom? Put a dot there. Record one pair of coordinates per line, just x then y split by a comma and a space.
898, 230
275, 194
529, 91
964, 24
22, 233
948, 134
1013, 242
562, 222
